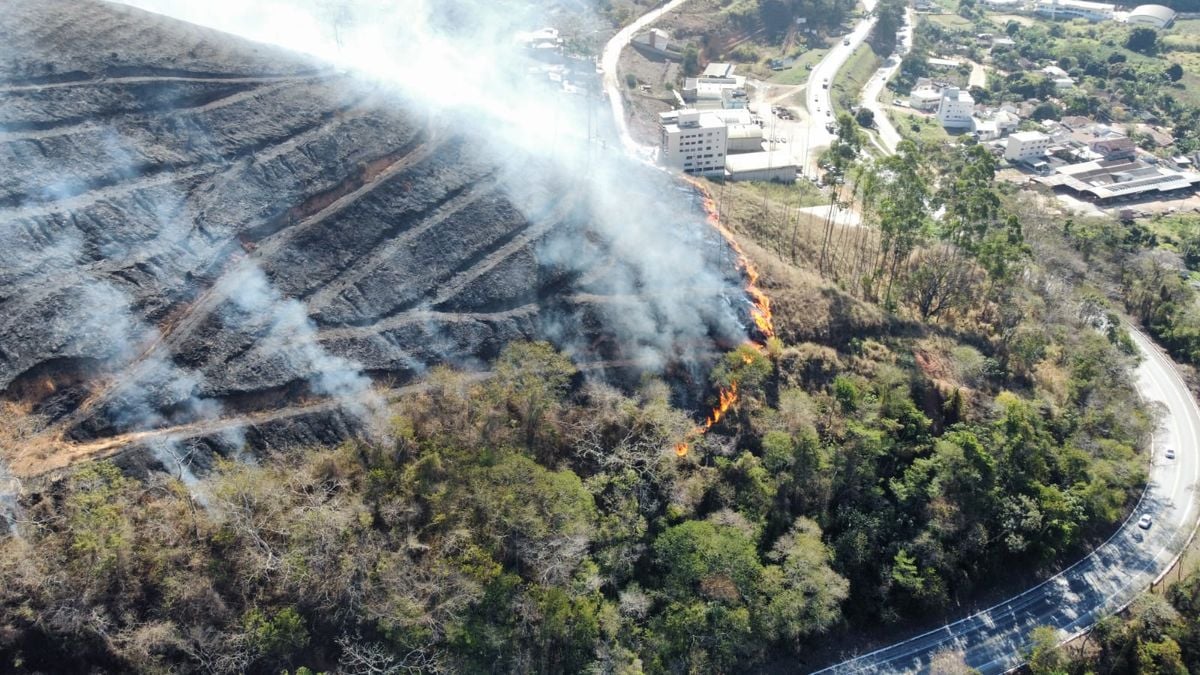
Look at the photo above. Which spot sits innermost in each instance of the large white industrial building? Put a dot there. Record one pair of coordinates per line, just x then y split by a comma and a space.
778, 166
1076, 9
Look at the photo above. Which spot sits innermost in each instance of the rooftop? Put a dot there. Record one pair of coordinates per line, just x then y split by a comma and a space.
1029, 136
1113, 179
1159, 12
744, 131
760, 161
956, 94
1078, 4
719, 70
675, 120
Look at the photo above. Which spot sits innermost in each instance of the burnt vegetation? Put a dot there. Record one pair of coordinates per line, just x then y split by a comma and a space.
196, 228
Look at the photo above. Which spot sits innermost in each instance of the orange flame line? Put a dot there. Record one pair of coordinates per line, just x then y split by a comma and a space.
760, 312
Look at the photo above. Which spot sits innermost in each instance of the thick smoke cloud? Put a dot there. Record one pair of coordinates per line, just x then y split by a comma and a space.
663, 281
461, 61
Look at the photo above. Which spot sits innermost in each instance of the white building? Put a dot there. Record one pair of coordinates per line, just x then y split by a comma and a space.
744, 138
692, 141
1076, 9
655, 38
716, 88
997, 124
776, 166
1157, 16
926, 96
955, 109
1026, 145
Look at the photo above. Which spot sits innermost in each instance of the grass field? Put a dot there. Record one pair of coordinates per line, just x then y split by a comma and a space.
918, 128
798, 74
950, 21
848, 83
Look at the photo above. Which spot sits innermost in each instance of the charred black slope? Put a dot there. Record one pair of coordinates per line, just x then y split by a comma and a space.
196, 228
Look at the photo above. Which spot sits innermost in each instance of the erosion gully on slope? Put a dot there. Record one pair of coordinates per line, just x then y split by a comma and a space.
53, 448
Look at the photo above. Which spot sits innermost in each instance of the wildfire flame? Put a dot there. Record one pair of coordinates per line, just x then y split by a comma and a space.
727, 398
760, 312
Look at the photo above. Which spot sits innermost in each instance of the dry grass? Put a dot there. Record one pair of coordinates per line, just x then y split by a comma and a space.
807, 307
19, 426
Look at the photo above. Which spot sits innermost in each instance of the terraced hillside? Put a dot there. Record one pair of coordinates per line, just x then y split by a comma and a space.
207, 240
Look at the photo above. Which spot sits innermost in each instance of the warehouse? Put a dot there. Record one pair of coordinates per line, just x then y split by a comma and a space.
775, 166
1157, 16
1105, 182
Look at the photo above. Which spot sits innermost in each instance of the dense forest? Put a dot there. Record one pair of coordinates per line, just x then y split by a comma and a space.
515, 526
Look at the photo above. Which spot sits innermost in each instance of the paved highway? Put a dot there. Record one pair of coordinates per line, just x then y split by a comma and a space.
995, 640
818, 101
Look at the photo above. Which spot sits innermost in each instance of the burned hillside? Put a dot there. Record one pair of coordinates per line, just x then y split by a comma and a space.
205, 238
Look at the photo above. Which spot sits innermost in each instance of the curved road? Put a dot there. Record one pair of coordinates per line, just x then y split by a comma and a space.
888, 137
609, 59
995, 640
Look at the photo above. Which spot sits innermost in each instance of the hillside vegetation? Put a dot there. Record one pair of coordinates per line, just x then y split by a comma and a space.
884, 464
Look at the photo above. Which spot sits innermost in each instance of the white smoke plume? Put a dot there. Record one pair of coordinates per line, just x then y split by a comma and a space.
290, 336
460, 60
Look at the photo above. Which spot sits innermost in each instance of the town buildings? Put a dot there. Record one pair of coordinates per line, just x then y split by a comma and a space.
717, 87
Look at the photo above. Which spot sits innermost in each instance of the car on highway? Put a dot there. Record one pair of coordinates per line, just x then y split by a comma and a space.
1145, 521
1170, 453
845, 41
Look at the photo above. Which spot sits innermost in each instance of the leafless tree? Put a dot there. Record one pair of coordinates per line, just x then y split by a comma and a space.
371, 658
940, 279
